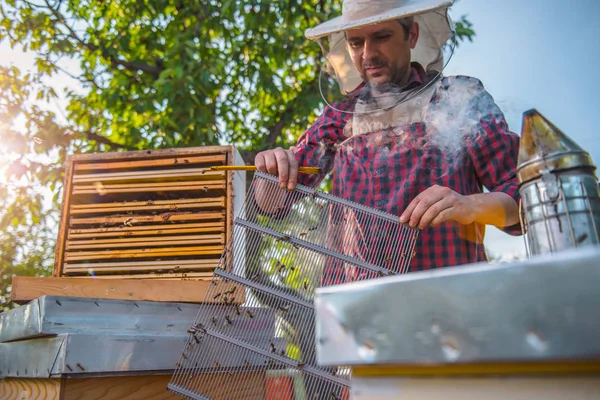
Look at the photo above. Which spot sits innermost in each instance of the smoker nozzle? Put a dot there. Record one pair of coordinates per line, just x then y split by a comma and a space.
545, 148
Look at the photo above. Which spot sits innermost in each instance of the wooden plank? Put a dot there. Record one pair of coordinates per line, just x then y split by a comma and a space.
30, 389
123, 230
171, 174
133, 267
27, 288
64, 219
160, 162
136, 233
129, 205
207, 203
144, 242
157, 276
248, 386
152, 154
142, 253
140, 219
103, 189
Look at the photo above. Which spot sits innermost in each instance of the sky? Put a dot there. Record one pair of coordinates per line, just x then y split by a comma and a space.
529, 54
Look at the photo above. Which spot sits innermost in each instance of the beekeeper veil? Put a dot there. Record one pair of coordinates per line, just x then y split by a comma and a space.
339, 78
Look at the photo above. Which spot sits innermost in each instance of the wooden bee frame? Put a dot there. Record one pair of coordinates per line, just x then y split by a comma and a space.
148, 214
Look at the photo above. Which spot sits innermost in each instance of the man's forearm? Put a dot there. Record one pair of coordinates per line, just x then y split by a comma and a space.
497, 208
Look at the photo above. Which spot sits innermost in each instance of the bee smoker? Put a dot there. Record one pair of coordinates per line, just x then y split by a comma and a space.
560, 197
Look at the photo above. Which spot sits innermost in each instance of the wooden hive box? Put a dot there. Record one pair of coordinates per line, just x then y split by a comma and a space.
159, 214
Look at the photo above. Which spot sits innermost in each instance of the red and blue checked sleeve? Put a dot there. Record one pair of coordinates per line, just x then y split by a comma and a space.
493, 148
316, 147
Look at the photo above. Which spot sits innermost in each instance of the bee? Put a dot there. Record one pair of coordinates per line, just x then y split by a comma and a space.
214, 320
232, 291
228, 319
285, 308
250, 314
202, 171
284, 238
247, 363
217, 365
320, 205
273, 349
184, 356
128, 222
389, 259
225, 299
314, 228
282, 352
302, 234
301, 364
280, 266
205, 188
216, 296
237, 309
305, 285
334, 396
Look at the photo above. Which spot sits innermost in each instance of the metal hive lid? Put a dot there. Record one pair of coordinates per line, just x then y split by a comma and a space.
544, 147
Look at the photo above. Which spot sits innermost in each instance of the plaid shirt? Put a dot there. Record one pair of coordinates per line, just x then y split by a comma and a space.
377, 170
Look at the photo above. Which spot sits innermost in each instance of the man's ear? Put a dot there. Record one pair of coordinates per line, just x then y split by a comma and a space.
413, 35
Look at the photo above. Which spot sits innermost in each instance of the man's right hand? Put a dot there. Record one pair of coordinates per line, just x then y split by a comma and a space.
281, 163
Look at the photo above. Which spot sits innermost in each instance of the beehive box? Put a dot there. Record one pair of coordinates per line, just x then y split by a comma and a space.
147, 214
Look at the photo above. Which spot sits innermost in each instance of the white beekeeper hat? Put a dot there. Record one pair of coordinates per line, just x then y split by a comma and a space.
435, 30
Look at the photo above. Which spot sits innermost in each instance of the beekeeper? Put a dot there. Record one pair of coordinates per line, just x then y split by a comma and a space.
403, 138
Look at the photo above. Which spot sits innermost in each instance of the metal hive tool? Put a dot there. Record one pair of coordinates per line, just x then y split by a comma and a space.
259, 341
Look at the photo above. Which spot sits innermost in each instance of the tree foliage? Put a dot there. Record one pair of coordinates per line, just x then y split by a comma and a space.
147, 74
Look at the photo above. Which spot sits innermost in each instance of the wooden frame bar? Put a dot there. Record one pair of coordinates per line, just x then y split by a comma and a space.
28, 288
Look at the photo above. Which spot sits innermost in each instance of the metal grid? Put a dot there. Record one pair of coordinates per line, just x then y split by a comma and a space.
260, 341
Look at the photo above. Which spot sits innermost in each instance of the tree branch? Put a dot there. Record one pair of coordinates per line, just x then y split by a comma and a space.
277, 129
131, 66
104, 140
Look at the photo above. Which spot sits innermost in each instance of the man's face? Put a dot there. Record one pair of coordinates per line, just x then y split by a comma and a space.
382, 52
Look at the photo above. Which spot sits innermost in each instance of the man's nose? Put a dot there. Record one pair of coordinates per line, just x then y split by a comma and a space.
370, 50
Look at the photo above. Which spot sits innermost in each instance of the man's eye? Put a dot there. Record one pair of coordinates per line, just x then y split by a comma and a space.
382, 37
355, 45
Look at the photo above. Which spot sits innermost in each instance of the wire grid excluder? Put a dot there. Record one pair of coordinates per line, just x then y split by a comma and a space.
258, 339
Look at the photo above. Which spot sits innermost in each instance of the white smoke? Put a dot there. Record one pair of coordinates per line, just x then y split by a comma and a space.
448, 118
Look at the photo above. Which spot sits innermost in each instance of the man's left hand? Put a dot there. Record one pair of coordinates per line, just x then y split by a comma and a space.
439, 204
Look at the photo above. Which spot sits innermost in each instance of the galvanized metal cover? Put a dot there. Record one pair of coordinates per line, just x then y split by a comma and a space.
52, 315
545, 308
